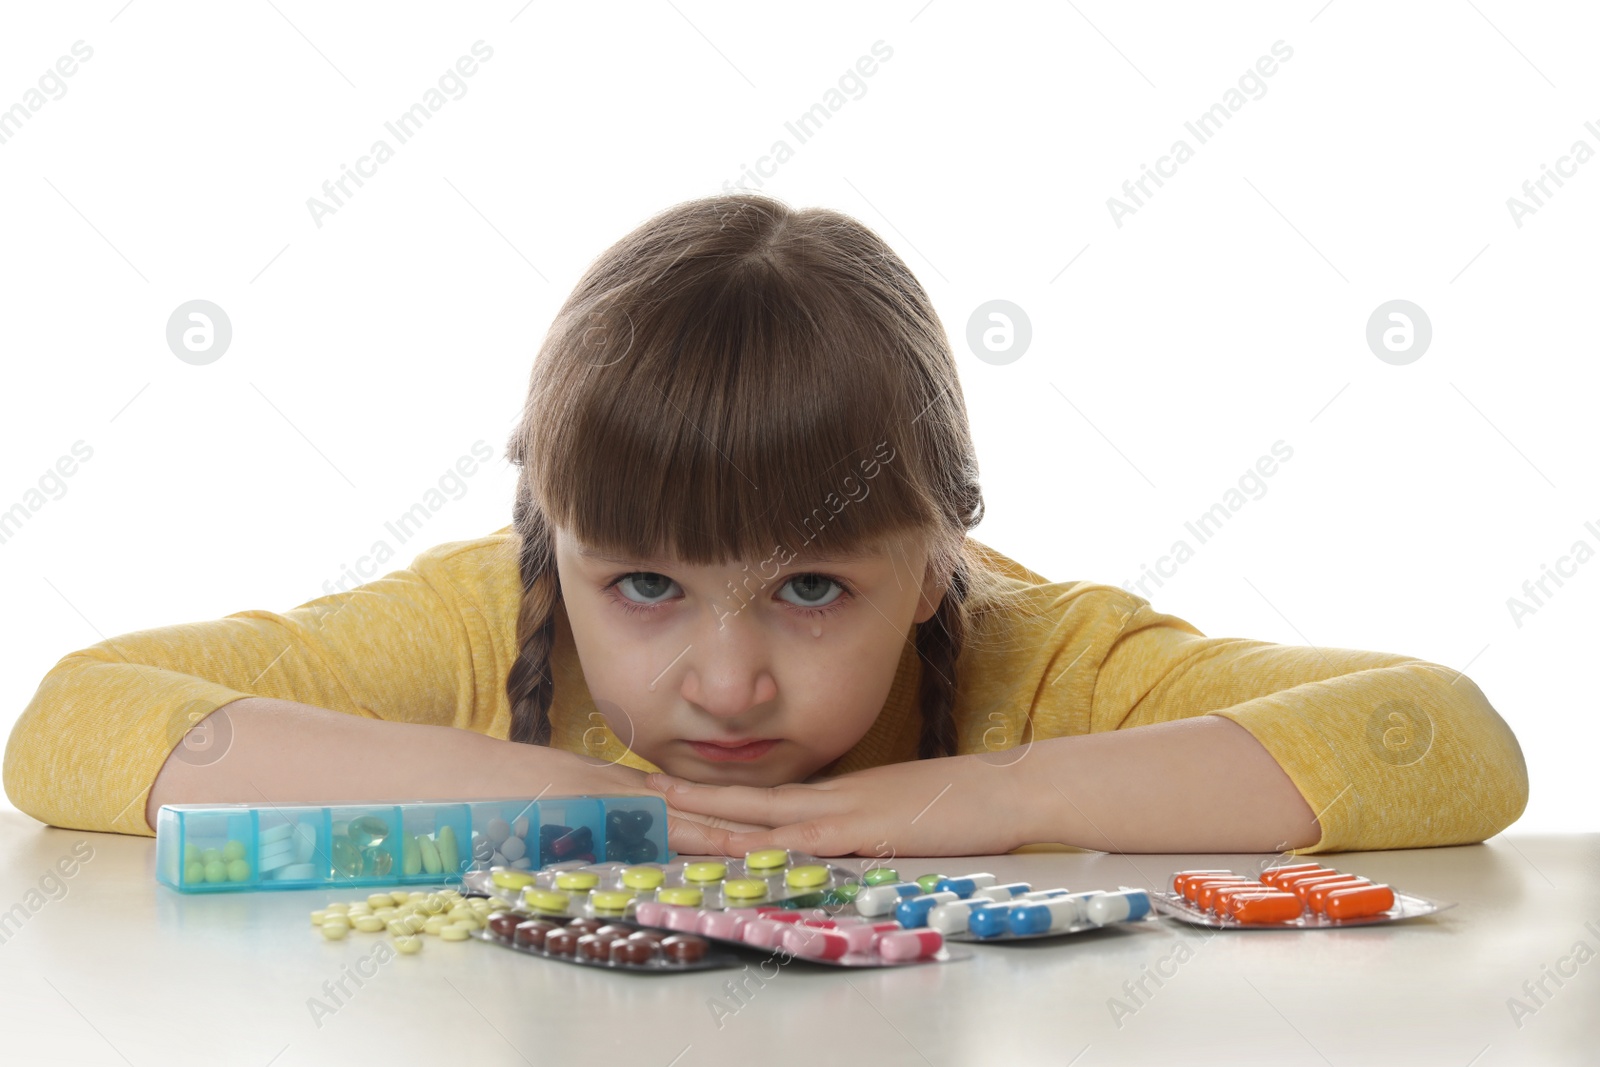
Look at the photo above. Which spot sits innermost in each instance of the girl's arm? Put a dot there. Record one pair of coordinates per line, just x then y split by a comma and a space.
282, 752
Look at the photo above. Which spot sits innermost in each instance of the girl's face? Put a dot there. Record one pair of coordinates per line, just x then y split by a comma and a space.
755, 673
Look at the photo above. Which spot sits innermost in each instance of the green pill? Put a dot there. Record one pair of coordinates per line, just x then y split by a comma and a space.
881, 876
928, 881
449, 853
210, 855
430, 854
216, 871
194, 872
238, 870
191, 854
841, 894
412, 861
346, 860
369, 831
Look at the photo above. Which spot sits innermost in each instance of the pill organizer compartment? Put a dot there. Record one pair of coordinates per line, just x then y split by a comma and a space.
364, 844
572, 829
505, 833
435, 842
210, 852
292, 847
634, 833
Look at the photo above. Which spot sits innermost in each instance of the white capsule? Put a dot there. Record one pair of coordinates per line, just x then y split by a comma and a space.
875, 900
952, 918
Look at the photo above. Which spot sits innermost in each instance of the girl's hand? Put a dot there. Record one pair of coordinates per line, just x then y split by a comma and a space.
956, 806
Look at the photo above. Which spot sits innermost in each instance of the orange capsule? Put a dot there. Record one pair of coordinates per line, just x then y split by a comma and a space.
1316, 894
1301, 886
1359, 901
1271, 875
1267, 908
1222, 902
1182, 877
1288, 881
1191, 888
1206, 897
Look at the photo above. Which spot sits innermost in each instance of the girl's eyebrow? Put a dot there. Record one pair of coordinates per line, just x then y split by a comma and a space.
802, 560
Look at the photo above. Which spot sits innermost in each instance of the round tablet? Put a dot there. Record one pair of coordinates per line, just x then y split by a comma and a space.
705, 872
643, 877
408, 945
582, 881
455, 932
928, 881
630, 950
767, 859
334, 931
545, 899
610, 899
531, 933
685, 895
744, 889
684, 948
512, 880
561, 942
881, 876
504, 923
806, 877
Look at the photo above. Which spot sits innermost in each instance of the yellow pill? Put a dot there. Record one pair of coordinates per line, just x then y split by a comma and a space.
337, 906
336, 920
388, 912
610, 899
416, 896
806, 877
643, 877
399, 897
471, 922
705, 872
435, 924
451, 894
334, 931
317, 917
686, 895
744, 889
358, 909
766, 859
511, 879
498, 903
408, 946
380, 900
433, 905
581, 881
544, 899
456, 932
459, 912
399, 928
413, 923
369, 924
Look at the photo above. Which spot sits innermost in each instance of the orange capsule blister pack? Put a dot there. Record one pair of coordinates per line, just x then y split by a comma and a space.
1300, 896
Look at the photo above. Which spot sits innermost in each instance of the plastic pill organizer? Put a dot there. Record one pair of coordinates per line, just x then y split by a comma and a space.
231, 847
769, 876
1303, 896
972, 907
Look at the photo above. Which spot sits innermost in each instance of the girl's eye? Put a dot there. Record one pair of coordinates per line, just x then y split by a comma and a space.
811, 590
645, 587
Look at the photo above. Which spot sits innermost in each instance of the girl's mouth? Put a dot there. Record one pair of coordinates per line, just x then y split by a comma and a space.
718, 752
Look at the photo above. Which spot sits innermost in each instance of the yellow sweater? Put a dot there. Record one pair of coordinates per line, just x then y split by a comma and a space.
1389, 751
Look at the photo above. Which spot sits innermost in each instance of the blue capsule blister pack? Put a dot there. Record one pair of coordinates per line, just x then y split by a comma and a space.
974, 908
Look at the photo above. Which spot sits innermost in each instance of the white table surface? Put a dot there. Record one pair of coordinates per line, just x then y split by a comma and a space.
117, 970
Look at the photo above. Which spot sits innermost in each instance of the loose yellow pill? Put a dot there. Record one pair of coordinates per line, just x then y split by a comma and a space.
686, 895
459, 912
338, 906
805, 877
413, 923
766, 859
399, 897
317, 917
379, 900
545, 899
498, 903
433, 904
471, 922
579, 881
369, 924
455, 932
398, 928
336, 920
744, 889
435, 924
705, 872
408, 946
643, 877
610, 899
416, 896
334, 931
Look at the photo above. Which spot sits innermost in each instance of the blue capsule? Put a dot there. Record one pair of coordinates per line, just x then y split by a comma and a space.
1004, 892
1124, 906
876, 900
913, 911
965, 885
991, 921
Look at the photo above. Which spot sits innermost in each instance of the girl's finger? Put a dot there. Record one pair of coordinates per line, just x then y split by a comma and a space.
762, 805
695, 838
818, 837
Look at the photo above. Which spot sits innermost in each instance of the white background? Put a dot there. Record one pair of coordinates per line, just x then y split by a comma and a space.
1227, 314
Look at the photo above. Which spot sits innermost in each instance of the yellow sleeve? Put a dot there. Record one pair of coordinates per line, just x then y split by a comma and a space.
1389, 751
412, 646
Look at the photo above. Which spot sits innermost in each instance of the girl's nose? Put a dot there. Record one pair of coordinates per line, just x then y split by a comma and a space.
728, 672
